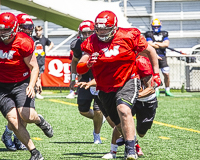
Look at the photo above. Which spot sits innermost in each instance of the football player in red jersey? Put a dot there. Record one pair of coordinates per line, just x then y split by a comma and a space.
26, 26
19, 71
111, 55
25, 23
145, 107
85, 97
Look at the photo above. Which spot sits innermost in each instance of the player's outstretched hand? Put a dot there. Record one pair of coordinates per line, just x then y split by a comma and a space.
30, 92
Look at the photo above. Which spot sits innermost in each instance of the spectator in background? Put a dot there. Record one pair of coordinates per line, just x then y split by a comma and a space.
159, 40
40, 53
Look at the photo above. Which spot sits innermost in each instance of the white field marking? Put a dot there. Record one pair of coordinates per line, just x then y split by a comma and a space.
156, 122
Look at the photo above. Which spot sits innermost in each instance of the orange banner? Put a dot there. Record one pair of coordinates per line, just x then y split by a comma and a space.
57, 72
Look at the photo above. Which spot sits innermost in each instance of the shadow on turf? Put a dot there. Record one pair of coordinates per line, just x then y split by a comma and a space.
84, 155
4, 150
72, 142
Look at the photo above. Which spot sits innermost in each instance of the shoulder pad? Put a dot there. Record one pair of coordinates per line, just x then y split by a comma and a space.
165, 33
148, 34
75, 44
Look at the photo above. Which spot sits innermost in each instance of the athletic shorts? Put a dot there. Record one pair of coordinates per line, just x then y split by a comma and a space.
14, 95
145, 114
84, 100
125, 95
163, 63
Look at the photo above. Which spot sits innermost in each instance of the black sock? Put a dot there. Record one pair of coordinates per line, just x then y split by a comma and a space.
34, 151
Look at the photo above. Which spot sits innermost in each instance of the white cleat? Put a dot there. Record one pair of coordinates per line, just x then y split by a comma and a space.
71, 95
109, 155
38, 96
97, 139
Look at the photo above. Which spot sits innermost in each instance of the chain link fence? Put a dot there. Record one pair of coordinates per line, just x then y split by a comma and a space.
184, 72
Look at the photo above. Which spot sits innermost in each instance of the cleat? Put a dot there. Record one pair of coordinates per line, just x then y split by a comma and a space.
45, 126
110, 155
19, 145
71, 95
36, 156
129, 153
157, 93
38, 96
168, 93
7, 140
120, 141
97, 139
138, 150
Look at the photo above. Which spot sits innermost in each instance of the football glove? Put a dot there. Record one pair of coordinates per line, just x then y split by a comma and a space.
93, 59
157, 79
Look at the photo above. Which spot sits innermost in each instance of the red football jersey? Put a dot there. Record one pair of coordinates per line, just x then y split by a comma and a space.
116, 63
12, 66
144, 67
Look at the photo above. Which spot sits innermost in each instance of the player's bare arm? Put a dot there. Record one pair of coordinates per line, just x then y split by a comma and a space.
153, 44
32, 64
147, 84
152, 55
163, 44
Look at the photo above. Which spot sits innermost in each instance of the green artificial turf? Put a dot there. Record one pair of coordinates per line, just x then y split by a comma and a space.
175, 138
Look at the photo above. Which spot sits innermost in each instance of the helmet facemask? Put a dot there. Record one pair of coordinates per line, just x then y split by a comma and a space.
8, 33
26, 28
108, 35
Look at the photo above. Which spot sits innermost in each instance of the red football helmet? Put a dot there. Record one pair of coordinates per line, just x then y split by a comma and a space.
25, 23
86, 28
8, 25
106, 20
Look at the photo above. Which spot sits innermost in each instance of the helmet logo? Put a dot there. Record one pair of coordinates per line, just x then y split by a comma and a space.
85, 23
101, 20
2, 26
26, 16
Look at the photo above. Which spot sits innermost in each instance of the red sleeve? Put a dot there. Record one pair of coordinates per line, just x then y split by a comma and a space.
87, 45
142, 45
82, 68
138, 41
27, 47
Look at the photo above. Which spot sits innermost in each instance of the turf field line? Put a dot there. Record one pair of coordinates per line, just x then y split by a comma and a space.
176, 127
63, 102
156, 122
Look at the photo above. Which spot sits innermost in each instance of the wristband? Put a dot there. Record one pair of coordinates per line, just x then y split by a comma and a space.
73, 76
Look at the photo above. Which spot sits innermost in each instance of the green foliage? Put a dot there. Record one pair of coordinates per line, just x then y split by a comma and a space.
73, 137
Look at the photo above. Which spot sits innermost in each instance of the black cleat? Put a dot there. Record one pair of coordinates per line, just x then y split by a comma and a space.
36, 156
45, 126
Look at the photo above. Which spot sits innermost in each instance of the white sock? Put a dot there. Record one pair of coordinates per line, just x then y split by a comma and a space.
157, 89
167, 89
71, 91
113, 148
